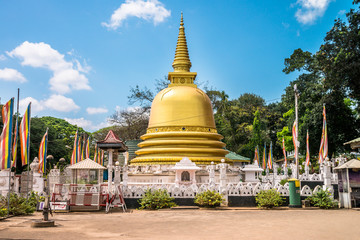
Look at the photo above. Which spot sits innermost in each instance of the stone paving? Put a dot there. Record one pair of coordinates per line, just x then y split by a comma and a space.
191, 224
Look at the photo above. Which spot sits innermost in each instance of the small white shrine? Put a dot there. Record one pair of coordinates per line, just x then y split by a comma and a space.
185, 171
252, 172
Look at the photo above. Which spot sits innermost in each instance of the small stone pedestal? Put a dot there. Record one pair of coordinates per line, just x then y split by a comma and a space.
43, 223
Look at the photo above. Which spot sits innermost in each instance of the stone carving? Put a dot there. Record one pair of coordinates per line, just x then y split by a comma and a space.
306, 191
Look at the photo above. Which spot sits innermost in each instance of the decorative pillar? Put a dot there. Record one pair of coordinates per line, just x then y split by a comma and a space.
110, 168
117, 173
38, 180
125, 175
211, 170
222, 168
327, 174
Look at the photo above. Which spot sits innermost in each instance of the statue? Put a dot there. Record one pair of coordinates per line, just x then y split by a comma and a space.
34, 166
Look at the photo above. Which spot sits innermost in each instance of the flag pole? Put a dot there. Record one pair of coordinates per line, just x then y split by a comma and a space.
28, 156
9, 190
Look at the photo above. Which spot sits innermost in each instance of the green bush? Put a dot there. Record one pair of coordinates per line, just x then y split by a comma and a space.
3, 212
156, 199
19, 205
269, 199
322, 199
209, 199
289, 171
279, 171
283, 181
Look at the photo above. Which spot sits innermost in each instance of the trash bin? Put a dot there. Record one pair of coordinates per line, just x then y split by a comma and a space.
294, 190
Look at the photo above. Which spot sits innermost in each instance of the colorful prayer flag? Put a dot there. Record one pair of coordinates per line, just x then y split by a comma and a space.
75, 155
264, 157
25, 136
270, 158
102, 158
295, 137
14, 150
42, 152
256, 156
95, 154
307, 149
5, 137
87, 149
323, 152
284, 151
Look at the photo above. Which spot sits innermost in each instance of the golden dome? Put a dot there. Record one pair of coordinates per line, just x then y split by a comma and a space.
181, 119
181, 106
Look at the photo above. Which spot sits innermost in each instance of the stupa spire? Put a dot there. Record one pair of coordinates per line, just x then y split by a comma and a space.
182, 61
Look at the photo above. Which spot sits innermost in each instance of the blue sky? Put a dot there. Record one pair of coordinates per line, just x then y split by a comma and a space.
77, 60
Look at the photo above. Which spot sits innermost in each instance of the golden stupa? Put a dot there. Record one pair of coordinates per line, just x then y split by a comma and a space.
181, 119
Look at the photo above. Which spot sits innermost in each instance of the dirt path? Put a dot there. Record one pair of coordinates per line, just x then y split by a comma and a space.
191, 224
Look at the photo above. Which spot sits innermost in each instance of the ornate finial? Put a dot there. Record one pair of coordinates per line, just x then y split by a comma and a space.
182, 61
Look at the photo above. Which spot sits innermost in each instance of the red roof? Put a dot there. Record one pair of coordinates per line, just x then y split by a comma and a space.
111, 138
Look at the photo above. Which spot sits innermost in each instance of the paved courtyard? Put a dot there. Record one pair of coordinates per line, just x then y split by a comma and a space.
191, 224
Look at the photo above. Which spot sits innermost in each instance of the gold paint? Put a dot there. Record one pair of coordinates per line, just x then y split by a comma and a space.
181, 119
181, 129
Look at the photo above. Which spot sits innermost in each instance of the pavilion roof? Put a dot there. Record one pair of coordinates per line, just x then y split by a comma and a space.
354, 144
236, 157
86, 164
353, 163
112, 141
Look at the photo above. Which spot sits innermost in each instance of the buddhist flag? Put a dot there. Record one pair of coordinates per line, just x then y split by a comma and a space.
42, 153
307, 149
270, 158
87, 149
14, 150
294, 137
79, 150
264, 157
323, 152
95, 154
74, 156
102, 158
284, 152
5, 137
25, 136
256, 156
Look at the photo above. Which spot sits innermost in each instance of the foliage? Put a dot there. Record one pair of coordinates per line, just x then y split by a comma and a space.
322, 199
284, 181
289, 172
209, 199
156, 199
132, 123
268, 199
60, 140
19, 205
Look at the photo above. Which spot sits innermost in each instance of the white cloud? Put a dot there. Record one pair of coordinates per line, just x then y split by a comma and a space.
87, 124
91, 110
36, 106
311, 10
61, 103
147, 10
80, 122
55, 102
11, 75
66, 76
2, 57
